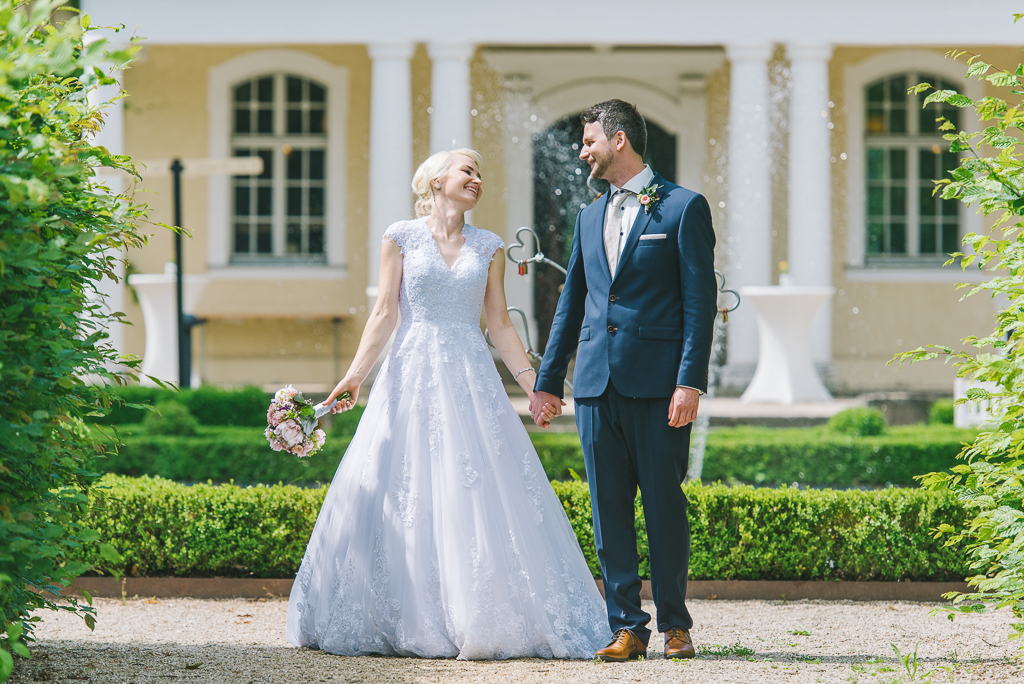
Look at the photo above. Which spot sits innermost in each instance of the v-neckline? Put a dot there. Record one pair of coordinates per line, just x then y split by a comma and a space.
437, 248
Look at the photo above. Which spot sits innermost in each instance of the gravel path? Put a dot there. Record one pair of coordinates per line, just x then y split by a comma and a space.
237, 640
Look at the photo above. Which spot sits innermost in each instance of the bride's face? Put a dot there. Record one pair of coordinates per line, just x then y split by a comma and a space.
463, 184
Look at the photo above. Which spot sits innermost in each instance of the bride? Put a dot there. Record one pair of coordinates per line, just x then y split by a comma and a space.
440, 536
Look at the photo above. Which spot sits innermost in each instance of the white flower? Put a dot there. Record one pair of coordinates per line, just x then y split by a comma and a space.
285, 395
290, 433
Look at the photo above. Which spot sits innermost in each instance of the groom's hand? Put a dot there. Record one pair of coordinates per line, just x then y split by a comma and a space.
682, 410
544, 407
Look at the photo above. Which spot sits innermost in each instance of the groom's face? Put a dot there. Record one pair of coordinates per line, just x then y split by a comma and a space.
597, 149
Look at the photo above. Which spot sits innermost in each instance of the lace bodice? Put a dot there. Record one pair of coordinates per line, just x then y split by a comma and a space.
431, 292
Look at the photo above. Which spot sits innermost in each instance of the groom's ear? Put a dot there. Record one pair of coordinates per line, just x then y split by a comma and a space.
620, 141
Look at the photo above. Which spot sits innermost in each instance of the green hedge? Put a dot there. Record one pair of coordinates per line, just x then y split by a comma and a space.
765, 456
162, 528
821, 457
210, 405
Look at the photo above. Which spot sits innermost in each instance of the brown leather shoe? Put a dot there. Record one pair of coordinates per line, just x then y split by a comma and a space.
625, 646
678, 643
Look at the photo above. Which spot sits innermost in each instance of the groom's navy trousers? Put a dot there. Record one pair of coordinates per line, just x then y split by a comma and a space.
637, 336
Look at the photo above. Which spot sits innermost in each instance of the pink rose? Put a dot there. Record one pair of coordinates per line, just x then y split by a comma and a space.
645, 199
290, 433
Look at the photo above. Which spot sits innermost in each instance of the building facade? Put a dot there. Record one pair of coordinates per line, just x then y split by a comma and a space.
792, 117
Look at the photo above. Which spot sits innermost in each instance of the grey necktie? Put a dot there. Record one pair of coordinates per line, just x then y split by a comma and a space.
614, 230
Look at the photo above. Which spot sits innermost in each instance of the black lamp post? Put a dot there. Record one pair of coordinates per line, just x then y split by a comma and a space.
185, 321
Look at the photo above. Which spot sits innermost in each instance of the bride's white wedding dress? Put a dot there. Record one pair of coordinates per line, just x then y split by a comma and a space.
440, 536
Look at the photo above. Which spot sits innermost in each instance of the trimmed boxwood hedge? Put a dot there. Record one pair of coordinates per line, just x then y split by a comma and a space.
163, 528
766, 456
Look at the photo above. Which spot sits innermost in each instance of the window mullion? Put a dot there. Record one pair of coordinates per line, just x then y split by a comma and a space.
913, 196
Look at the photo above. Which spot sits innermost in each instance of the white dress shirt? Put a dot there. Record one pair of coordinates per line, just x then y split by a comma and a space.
631, 207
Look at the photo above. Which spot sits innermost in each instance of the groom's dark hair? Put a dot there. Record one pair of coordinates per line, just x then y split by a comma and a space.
615, 116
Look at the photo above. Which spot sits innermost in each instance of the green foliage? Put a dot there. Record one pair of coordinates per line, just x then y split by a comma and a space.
163, 528
60, 232
210, 405
859, 421
171, 418
820, 457
941, 412
988, 482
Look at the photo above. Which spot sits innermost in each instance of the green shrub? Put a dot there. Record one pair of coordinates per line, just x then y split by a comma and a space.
60, 234
941, 412
246, 406
817, 456
171, 418
163, 528
859, 421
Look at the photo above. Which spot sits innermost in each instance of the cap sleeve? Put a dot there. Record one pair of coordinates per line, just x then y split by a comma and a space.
492, 244
399, 234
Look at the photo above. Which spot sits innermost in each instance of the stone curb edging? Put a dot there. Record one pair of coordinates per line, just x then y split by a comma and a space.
730, 590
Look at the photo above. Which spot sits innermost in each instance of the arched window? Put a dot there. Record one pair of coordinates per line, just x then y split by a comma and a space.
904, 154
280, 214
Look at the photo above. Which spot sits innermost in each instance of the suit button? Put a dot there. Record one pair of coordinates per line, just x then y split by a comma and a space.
612, 298
612, 328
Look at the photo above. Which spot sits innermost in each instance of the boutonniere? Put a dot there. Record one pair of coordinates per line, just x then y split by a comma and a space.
649, 197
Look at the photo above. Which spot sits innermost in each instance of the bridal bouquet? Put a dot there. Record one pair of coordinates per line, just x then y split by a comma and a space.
293, 424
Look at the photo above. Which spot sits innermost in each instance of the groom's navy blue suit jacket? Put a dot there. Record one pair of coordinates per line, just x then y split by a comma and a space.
649, 328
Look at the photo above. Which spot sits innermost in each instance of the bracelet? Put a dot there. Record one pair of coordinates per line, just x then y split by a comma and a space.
518, 373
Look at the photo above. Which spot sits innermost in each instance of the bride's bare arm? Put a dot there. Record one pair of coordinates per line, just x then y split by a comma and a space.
378, 328
499, 325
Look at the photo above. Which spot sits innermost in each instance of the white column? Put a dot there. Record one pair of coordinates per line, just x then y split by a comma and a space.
692, 139
748, 204
518, 133
111, 136
810, 183
390, 148
449, 96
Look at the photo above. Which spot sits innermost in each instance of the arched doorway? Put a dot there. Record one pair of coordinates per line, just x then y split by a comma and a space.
560, 190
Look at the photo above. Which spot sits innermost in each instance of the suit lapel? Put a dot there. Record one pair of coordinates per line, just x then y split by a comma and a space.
597, 228
638, 227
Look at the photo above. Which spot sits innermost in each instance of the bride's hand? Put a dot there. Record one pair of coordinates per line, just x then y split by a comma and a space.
346, 385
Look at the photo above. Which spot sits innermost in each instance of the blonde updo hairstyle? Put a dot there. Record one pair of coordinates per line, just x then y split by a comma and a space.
436, 167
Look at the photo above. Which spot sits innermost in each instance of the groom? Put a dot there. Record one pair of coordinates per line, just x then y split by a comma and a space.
639, 301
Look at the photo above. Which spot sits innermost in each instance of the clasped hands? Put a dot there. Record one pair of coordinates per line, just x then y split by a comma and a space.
682, 408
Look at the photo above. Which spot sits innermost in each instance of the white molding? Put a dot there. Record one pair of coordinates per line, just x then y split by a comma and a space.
950, 274
855, 78
267, 273
249, 65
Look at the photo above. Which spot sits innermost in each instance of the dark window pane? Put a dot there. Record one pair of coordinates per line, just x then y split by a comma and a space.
876, 92
927, 237
243, 93
926, 124
897, 121
265, 121
294, 89
927, 202
316, 239
898, 238
316, 164
876, 201
295, 165
950, 161
897, 164
953, 115
316, 121
926, 165
268, 164
875, 235
875, 124
295, 121
317, 93
950, 238
242, 201
243, 121
263, 239
263, 201
242, 238
898, 89
295, 201
294, 243
265, 89
950, 207
898, 200
876, 164
316, 201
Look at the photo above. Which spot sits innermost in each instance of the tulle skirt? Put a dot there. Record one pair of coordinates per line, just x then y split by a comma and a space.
440, 536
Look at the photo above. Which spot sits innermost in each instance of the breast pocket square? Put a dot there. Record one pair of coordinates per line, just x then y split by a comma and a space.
654, 236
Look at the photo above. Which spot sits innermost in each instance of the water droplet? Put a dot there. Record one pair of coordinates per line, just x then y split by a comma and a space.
430, 110
473, 112
856, 310
843, 156
721, 205
558, 191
